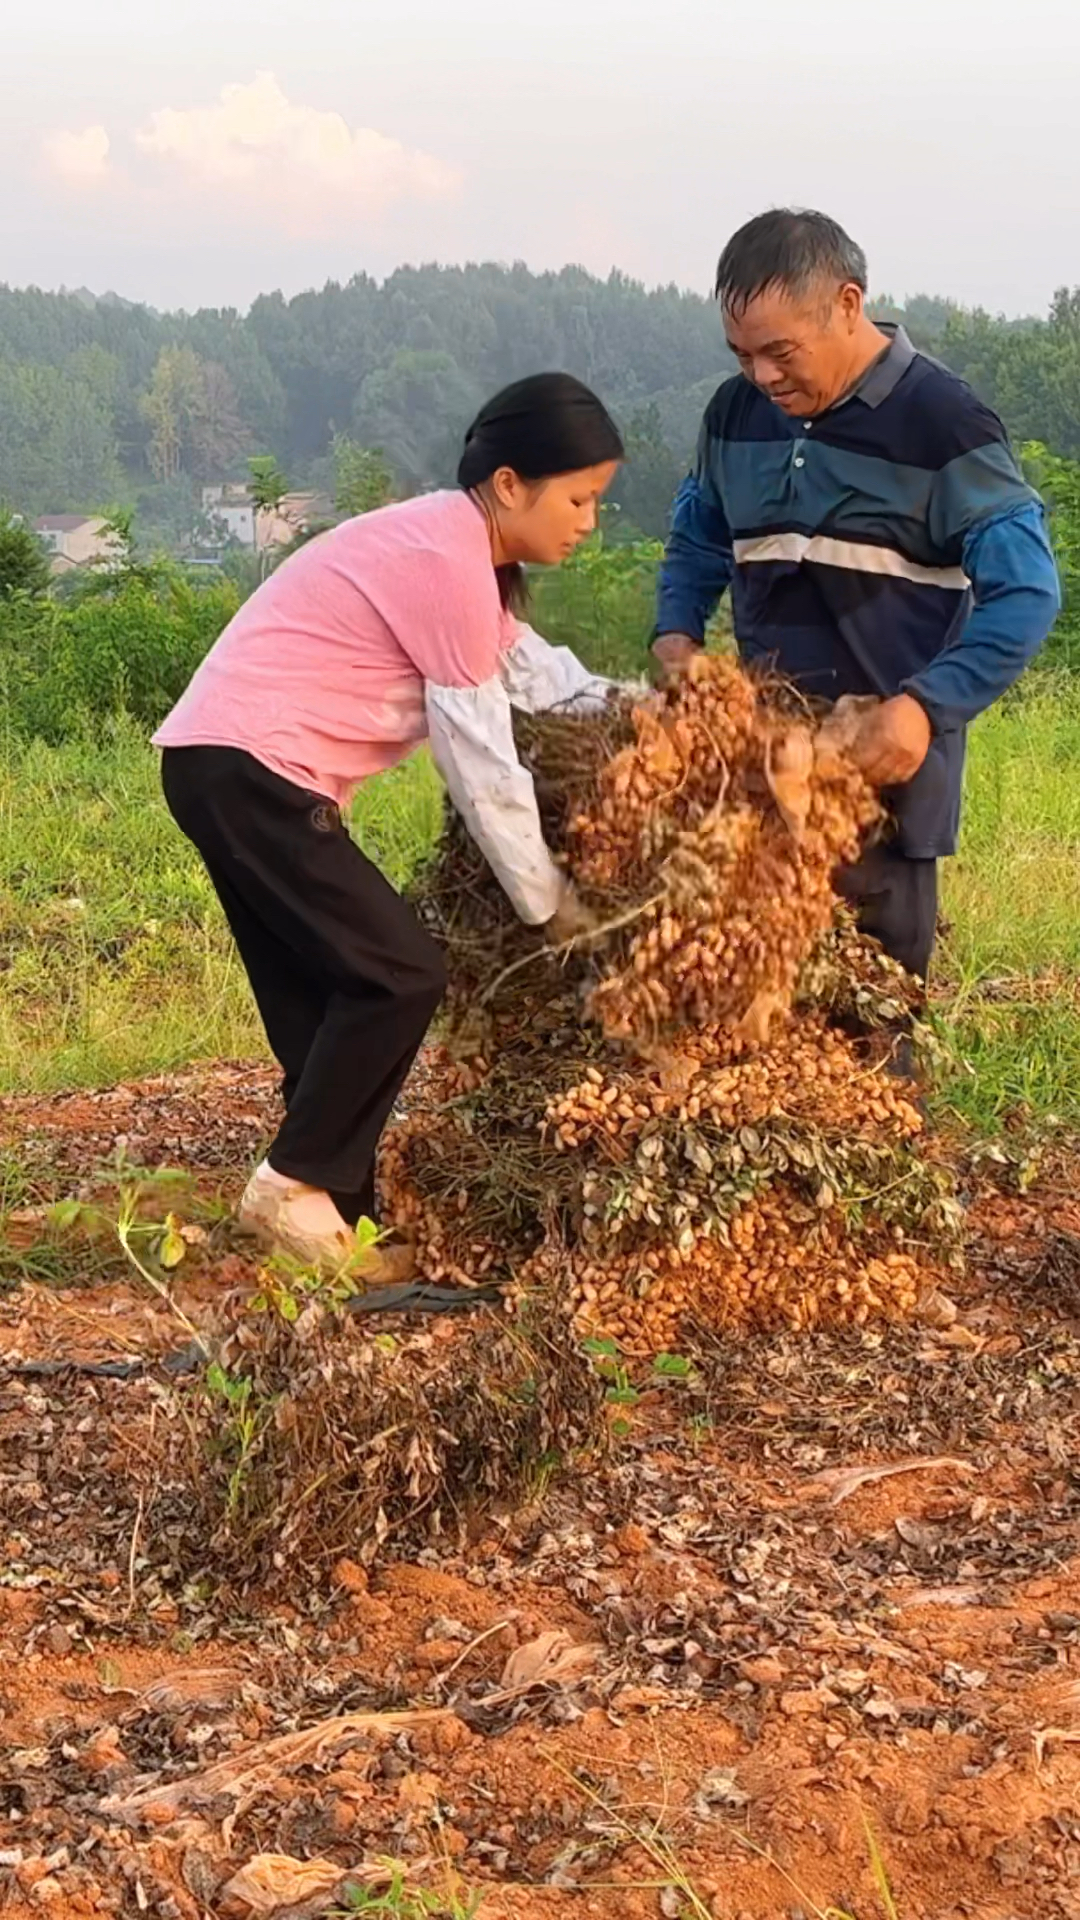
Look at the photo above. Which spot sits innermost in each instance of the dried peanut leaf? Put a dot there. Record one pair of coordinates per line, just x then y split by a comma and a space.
271, 1881
552, 1659
212, 1688
915, 1533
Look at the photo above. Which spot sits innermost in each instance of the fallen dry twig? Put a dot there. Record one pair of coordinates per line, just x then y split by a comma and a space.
841, 1482
242, 1775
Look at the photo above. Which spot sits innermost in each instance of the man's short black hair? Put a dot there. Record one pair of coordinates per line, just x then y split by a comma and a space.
787, 248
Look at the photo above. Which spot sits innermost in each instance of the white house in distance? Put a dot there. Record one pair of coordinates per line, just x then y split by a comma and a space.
75, 540
228, 505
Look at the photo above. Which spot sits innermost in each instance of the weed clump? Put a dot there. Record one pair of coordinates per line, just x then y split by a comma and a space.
320, 1437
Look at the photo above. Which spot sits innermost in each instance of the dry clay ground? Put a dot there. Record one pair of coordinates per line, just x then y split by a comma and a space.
683, 1683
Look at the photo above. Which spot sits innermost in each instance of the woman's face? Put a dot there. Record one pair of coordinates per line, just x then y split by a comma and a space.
541, 521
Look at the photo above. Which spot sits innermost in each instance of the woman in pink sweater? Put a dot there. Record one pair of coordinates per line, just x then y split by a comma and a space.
397, 627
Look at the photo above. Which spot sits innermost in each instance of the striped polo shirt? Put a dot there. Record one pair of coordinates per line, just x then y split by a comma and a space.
857, 546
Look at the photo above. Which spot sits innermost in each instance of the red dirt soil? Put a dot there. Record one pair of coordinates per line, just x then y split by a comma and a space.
779, 1660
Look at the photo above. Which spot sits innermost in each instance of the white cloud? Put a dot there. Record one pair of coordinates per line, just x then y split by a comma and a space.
255, 140
80, 159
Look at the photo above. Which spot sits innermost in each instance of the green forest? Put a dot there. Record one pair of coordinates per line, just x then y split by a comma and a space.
363, 391
105, 403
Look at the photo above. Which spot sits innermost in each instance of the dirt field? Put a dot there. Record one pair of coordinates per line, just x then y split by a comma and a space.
819, 1587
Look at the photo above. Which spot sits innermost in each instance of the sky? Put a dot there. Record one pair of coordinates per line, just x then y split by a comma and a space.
198, 154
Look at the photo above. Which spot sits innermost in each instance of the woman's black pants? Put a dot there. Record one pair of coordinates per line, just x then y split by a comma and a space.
346, 979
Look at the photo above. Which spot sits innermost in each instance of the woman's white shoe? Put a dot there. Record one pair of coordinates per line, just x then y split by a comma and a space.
296, 1219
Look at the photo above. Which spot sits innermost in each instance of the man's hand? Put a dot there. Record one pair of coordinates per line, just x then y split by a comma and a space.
570, 919
673, 653
892, 741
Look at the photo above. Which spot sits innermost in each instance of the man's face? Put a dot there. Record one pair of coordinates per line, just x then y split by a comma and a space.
798, 351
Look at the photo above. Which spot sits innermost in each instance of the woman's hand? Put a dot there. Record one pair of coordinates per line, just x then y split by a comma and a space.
673, 653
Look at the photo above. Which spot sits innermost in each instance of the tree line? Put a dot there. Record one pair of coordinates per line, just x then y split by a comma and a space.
104, 402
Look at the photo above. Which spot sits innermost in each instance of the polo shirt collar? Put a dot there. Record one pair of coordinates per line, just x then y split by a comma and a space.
885, 373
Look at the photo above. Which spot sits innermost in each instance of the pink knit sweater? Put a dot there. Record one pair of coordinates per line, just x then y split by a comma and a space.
374, 637
321, 674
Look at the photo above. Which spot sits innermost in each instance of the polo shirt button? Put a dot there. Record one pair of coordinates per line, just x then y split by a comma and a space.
799, 461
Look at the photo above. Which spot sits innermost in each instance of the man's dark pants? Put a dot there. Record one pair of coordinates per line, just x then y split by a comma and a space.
896, 902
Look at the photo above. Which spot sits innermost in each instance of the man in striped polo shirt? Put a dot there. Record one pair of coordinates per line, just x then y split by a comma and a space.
876, 533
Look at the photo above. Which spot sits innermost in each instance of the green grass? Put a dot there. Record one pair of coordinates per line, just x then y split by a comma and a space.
1010, 962
115, 961
1014, 889
114, 956
400, 1901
